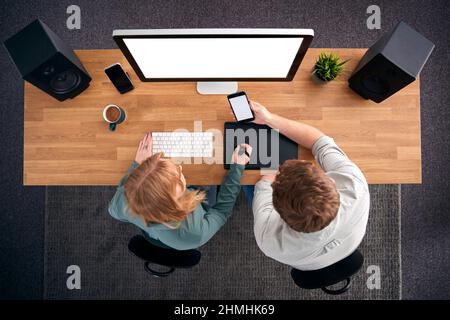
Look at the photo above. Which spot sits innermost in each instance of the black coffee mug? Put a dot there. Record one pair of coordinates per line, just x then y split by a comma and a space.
114, 115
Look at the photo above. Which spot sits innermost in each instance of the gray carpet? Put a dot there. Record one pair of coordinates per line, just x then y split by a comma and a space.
79, 231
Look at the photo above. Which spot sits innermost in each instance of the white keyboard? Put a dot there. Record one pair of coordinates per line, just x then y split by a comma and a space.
183, 144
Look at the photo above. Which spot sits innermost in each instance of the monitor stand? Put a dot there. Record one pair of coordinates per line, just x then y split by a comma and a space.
217, 87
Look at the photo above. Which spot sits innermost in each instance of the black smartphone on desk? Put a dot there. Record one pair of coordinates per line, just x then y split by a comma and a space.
241, 107
119, 78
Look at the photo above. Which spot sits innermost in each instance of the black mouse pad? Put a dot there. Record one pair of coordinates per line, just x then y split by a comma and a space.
270, 148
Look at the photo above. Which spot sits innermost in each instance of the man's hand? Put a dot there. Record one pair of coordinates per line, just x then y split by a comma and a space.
303, 134
262, 115
145, 148
241, 154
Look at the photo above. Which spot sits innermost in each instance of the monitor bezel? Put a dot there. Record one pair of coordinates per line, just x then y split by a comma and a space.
306, 34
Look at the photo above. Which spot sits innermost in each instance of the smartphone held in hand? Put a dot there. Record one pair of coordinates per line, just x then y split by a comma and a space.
241, 107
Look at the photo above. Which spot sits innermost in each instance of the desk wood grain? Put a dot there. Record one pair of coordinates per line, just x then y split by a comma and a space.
68, 143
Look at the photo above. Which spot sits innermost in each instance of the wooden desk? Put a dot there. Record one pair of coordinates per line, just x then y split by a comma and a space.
68, 143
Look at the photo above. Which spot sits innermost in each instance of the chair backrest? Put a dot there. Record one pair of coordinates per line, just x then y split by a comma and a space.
166, 257
328, 276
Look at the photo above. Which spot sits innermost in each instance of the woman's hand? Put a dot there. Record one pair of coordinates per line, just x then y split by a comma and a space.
241, 154
262, 115
145, 148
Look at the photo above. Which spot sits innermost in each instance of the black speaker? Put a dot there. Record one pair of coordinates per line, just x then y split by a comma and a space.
391, 63
44, 60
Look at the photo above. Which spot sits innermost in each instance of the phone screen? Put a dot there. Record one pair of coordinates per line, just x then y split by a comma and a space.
119, 78
241, 107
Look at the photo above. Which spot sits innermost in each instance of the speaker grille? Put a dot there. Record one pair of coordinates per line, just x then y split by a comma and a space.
375, 84
66, 81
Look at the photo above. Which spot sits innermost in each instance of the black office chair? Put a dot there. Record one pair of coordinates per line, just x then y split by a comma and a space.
169, 258
323, 278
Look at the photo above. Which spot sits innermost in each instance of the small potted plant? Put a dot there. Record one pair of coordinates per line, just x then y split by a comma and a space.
327, 67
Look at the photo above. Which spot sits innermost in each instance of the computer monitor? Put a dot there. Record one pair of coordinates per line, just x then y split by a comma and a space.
215, 58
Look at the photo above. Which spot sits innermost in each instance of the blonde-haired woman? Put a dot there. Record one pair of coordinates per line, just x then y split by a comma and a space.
153, 196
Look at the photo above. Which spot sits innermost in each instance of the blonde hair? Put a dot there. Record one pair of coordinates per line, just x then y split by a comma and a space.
151, 193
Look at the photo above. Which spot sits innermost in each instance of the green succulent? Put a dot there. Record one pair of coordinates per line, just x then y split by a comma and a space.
328, 67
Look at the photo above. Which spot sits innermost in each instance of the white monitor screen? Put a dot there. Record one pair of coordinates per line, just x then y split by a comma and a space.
232, 58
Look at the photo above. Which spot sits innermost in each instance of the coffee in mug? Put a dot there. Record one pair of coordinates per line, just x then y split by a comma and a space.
114, 115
